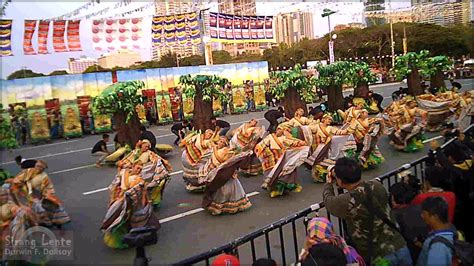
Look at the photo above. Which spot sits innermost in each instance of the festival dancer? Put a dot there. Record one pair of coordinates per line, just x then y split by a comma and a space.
156, 170
280, 156
352, 113
33, 188
197, 149
129, 207
224, 193
408, 132
245, 138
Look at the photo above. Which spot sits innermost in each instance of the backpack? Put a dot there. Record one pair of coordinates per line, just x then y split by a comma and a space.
463, 252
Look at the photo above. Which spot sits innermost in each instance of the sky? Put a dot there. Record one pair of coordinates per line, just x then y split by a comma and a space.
18, 11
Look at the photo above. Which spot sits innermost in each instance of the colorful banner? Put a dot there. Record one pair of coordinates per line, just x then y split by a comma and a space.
178, 29
43, 30
73, 37
59, 28
71, 122
114, 34
38, 125
30, 28
236, 28
5, 37
164, 107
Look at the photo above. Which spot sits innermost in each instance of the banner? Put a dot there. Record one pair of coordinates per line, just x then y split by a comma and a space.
30, 28
114, 34
236, 28
59, 28
43, 30
5, 37
178, 29
73, 37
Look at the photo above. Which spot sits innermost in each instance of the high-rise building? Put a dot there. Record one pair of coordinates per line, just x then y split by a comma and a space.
292, 27
171, 7
122, 58
240, 7
374, 6
78, 65
442, 13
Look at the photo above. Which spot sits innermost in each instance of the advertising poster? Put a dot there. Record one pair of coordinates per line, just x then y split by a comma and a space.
71, 122
164, 107
38, 125
90, 84
188, 107
216, 107
238, 98
102, 123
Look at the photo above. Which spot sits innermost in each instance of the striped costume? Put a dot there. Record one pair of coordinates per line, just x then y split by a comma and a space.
196, 152
245, 138
366, 133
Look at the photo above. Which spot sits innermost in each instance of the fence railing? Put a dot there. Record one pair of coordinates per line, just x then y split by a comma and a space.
290, 249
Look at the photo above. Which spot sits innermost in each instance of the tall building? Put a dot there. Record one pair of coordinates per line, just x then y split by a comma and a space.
442, 13
171, 7
292, 27
240, 7
352, 25
78, 65
122, 58
374, 6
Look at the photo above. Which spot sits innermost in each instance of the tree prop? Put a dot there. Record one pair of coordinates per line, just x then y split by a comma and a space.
7, 136
331, 78
410, 66
295, 88
435, 68
203, 89
4, 175
361, 77
120, 100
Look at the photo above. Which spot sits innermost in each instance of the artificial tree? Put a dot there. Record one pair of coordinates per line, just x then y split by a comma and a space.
120, 100
295, 89
410, 66
203, 89
435, 68
361, 77
331, 78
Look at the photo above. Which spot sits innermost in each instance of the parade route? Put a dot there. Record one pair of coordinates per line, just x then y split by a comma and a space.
187, 229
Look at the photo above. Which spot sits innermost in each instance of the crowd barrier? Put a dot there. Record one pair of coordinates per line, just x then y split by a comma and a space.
290, 255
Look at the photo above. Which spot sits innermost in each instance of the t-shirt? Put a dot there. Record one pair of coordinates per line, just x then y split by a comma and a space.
222, 123
99, 146
179, 126
273, 115
447, 195
148, 136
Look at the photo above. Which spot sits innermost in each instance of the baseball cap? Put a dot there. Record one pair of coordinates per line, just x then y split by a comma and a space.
226, 260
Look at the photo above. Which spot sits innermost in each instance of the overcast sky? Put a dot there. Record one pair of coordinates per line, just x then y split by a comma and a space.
18, 11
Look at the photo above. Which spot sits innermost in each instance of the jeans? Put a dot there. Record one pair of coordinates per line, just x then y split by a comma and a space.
179, 135
400, 257
224, 131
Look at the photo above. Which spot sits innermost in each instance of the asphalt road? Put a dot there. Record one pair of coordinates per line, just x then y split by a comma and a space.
186, 229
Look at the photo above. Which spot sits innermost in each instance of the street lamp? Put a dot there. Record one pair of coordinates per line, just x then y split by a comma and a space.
327, 13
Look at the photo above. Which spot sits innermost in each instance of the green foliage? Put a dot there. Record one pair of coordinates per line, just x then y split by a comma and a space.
412, 61
194, 60
24, 73
122, 96
360, 72
335, 74
95, 68
58, 73
221, 57
4, 175
210, 86
294, 79
437, 64
7, 136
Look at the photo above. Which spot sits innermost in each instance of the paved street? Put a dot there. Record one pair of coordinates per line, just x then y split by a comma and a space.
186, 229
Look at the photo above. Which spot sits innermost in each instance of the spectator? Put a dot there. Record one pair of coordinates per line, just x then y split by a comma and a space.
264, 262
325, 255
435, 214
148, 135
432, 187
408, 216
178, 129
366, 212
220, 125
226, 260
450, 132
24, 129
320, 231
274, 117
100, 149
24, 163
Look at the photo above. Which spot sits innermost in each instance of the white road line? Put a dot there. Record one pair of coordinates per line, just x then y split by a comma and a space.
47, 145
428, 140
191, 212
95, 191
71, 169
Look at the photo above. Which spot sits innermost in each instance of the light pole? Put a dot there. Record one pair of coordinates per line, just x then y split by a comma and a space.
207, 50
327, 13
391, 33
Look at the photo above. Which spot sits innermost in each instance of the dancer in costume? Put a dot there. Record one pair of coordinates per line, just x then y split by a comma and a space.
280, 156
352, 113
407, 134
156, 170
197, 149
224, 193
245, 138
32, 187
129, 207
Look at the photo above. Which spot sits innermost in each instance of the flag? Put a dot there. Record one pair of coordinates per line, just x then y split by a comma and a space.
59, 28
114, 34
73, 37
5, 37
235, 28
43, 30
30, 28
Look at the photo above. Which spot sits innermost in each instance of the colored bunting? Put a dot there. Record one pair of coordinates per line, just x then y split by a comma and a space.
113, 34
43, 30
73, 39
235, 28
5, 37
30, 28
59, 28
181, 29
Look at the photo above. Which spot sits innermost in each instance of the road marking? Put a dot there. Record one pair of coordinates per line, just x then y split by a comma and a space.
105, 188
72, 169
435, 138
46, 145
191, 212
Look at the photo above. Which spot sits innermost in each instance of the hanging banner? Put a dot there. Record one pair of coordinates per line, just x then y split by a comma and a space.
178, 29
157, 25
43, 30
59, 28
236, 28
73, 37
30, 28
115, 34
5, 37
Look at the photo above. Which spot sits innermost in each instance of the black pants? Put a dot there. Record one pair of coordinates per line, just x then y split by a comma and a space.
273, 125
179, 135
